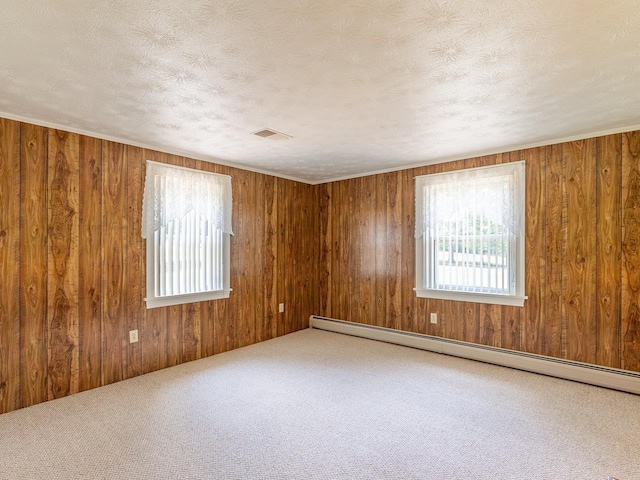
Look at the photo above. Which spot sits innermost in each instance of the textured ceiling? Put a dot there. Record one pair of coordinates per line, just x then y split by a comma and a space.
360, 85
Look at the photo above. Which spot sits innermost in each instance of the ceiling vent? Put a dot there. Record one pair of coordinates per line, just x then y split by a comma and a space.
271, 134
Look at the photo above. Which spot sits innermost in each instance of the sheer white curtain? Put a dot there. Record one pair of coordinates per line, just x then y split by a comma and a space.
172, 192
494, 192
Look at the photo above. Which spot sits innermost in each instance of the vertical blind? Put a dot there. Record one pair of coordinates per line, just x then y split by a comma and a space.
188, 256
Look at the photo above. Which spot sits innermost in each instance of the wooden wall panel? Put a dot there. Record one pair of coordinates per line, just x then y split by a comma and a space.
114, 263
173, 337
344, 250
609, 243
289, 241
533, 325
136, 275
378, 184
579, 272
582, 255
631, 251
33, 274
343, 239
90, 272
73, 277
256, 247
10, 265
367, 198
555, 331
325, 262
393, 248
269, 227
63, 263
407, 232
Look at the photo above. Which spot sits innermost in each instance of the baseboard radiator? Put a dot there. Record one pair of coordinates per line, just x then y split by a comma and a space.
612, 378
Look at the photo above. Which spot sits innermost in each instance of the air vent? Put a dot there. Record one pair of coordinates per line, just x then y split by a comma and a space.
271, 134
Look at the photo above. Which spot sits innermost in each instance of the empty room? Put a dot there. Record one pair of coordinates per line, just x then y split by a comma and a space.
313, 239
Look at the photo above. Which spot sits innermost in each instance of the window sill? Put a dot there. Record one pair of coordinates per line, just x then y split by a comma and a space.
188, 298
490, 298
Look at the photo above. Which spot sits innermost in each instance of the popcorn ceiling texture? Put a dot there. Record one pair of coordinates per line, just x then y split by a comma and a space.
360, 85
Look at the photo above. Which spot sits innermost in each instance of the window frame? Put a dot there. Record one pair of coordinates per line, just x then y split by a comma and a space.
517, 258
153, 301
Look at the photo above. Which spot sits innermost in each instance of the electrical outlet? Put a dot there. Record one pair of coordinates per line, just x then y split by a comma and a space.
133, 336
434, 318
281, 307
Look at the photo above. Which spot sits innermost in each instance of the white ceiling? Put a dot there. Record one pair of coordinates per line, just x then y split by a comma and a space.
361, 86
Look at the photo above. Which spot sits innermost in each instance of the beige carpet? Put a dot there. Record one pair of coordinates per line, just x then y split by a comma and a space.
319, 405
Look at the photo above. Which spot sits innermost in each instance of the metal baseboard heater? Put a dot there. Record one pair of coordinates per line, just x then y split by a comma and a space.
613, 378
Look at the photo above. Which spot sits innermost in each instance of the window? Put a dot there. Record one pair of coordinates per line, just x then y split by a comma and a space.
470, 235
186, 219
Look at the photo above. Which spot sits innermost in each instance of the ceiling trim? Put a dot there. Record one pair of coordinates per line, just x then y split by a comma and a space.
481, 153
79, 131
510, 148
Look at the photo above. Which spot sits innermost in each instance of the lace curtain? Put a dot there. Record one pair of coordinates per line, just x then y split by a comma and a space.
494, 192
171, 192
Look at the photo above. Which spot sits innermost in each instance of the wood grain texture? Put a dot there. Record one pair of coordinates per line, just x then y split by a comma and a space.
268, 325
555, 331
136, 278
114, 263
343, 238
73, 280
631, 251
325, 192
393, 249
33, 273
257, 246
10, 262
408, 242
368, 263
63, 263
609, 243
90, 268
378, 184
290, 244
579, 271
576, 212
306, 235
533, 324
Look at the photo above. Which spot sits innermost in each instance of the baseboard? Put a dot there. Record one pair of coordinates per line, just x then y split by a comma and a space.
612, 378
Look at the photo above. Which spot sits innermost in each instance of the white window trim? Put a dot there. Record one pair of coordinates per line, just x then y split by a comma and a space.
169, 300
516, 300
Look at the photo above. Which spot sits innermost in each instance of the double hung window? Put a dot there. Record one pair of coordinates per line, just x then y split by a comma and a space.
186, 220
470, 235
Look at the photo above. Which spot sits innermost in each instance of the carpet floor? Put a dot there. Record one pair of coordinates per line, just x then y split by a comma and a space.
320, 405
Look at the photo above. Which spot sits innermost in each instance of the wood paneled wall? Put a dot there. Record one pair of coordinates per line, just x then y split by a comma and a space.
72, 266
72, 276
582, 255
